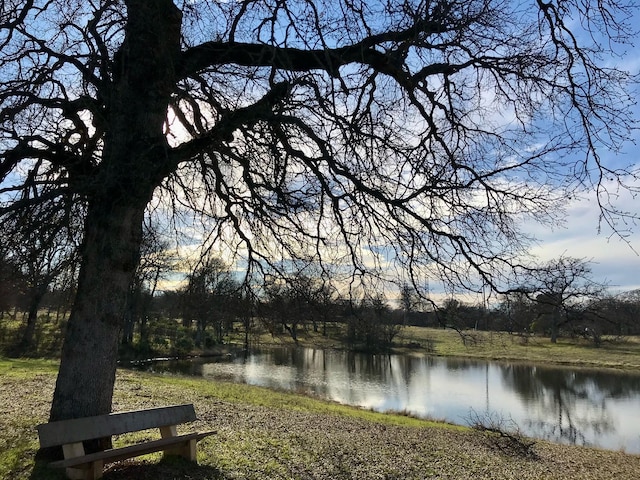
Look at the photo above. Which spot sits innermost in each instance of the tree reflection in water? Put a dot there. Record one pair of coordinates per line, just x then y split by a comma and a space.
553, 396
559, 404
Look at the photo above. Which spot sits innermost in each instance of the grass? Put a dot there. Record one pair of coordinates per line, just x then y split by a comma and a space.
18, 444
271, 434
621, 353
264, 433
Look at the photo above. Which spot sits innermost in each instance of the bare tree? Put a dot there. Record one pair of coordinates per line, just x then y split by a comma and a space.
304, 296
558, 286
321, 129
210, 298
616, 314
371, 324
288, 303
517, 312
42, 252
410, 302
12, 283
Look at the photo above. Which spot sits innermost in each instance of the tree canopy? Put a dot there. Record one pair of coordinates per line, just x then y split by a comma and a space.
421, 132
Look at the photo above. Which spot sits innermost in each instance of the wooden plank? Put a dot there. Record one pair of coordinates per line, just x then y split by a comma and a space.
168, 431
87, 428
191, 451
94, 471
117, 454
73, 450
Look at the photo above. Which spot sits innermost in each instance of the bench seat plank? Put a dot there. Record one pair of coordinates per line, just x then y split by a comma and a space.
122, 453
101, 426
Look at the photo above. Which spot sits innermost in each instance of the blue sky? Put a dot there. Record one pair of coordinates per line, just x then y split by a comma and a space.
614, 259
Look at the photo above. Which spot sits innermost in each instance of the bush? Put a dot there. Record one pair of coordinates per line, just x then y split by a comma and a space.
184, 343
502, 434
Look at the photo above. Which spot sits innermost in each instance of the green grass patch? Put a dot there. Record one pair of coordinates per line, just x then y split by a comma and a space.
27, 367
252, 453
47, 338
621, 353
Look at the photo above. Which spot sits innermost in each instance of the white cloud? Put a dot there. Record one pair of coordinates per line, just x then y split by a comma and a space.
614, 259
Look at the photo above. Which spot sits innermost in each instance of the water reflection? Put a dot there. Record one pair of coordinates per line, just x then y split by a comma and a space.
559, 404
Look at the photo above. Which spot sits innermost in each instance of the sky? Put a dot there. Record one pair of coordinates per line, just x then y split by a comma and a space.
613, 260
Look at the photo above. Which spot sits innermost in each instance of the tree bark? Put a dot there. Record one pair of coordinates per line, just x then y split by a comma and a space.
134, 161
89, 355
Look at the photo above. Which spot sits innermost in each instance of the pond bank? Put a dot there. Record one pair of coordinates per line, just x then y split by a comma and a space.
267, 434
621, 353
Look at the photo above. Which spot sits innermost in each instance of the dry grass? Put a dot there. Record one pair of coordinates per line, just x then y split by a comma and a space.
264, 434
620, 353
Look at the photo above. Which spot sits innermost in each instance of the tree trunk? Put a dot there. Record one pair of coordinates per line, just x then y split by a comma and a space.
247, 325
144, 333
37, 294
134, 162
200, 327
89, 355
554, 325
131, 314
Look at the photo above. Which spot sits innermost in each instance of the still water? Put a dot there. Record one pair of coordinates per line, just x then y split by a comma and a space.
584, 407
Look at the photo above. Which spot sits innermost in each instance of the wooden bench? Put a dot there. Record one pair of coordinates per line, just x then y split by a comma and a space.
71, 433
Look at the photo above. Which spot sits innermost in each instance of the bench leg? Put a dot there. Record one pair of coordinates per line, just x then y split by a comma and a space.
169, 431
76, 473
190, 450
94, 472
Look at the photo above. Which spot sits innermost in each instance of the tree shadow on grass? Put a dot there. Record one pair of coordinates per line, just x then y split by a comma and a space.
172, 468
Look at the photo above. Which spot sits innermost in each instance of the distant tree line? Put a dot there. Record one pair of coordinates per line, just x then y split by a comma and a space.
213, 306
544, 315
210, 305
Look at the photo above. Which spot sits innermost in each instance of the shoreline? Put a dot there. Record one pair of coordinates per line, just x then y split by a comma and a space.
619, 354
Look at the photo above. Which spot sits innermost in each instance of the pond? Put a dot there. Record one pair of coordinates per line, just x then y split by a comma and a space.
583, 407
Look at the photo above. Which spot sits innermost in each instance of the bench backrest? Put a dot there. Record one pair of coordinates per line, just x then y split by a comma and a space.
87, 428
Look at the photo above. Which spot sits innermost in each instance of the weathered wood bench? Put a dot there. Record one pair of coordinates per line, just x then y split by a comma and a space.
82, 466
